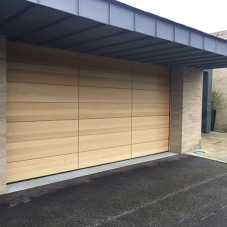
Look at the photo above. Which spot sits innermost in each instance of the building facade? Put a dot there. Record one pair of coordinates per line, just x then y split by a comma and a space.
94, 82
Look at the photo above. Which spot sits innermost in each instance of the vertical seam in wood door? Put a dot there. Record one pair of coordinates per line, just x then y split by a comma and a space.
170, 97
78, 106
131, 105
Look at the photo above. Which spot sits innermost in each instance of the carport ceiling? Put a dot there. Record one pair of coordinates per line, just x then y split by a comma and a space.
109, 28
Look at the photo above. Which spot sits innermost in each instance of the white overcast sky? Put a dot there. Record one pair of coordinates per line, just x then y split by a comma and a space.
205, 15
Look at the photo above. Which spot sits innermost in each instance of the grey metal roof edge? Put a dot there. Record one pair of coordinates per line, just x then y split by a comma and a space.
118, 14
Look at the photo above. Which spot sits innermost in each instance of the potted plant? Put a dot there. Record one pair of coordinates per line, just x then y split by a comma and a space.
216, 98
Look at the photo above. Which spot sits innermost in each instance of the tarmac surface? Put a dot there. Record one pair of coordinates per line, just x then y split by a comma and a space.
177, 191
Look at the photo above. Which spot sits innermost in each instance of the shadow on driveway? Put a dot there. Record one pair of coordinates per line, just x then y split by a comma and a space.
176, 191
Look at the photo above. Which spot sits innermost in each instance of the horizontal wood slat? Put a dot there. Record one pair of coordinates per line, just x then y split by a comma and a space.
24, 131
38, 76
18, 112
149, 148
109, 125
101, 141
104, 110
104, 62
100, 72
69, 72
150, 97
106, 80
149, 135
147, 109
152, 82
20, 151
91, 94
25, 92
149, 68
98, 157
30, 54
140, 123
17, 171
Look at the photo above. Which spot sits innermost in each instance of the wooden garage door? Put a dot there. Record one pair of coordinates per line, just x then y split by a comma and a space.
67, 111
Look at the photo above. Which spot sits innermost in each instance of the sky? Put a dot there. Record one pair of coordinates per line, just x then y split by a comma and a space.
205, 15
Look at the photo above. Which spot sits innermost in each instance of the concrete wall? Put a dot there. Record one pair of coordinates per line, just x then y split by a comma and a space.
220, 84
186, 108
2, 115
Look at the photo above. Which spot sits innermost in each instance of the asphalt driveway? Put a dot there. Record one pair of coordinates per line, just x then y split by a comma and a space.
176, 191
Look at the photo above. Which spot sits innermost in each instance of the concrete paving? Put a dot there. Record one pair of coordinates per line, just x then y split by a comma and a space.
214, 144
179, 191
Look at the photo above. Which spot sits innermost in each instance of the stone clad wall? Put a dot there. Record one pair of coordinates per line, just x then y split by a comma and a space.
186, 108
220, 84
2, 115
192, 108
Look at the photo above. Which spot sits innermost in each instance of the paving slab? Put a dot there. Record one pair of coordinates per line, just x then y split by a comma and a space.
181, 190
214, 144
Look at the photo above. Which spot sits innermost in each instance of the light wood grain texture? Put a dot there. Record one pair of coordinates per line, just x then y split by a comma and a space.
20, 151
90, 94
109, 125
149, 135
47, 107
25, 92
3, 137
101, 141
3, 169
105, 79
98, 157
104, 110
30, 54
149, 68
52, 69
104, 62
24, 131
3, 115
150, 82
150, 97
150, 109
17, 171
17, 112
2, 71
149, 148
102, 72
24, 73
3, 93
140, 123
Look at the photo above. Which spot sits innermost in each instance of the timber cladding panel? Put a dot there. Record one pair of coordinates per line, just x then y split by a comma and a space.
42, 111
150, 109
67, 110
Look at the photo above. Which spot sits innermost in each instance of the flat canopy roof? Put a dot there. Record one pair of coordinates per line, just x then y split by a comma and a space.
110, 28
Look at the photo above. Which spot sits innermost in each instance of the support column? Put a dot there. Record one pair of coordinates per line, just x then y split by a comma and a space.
186, 108
2, 114
207, 97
